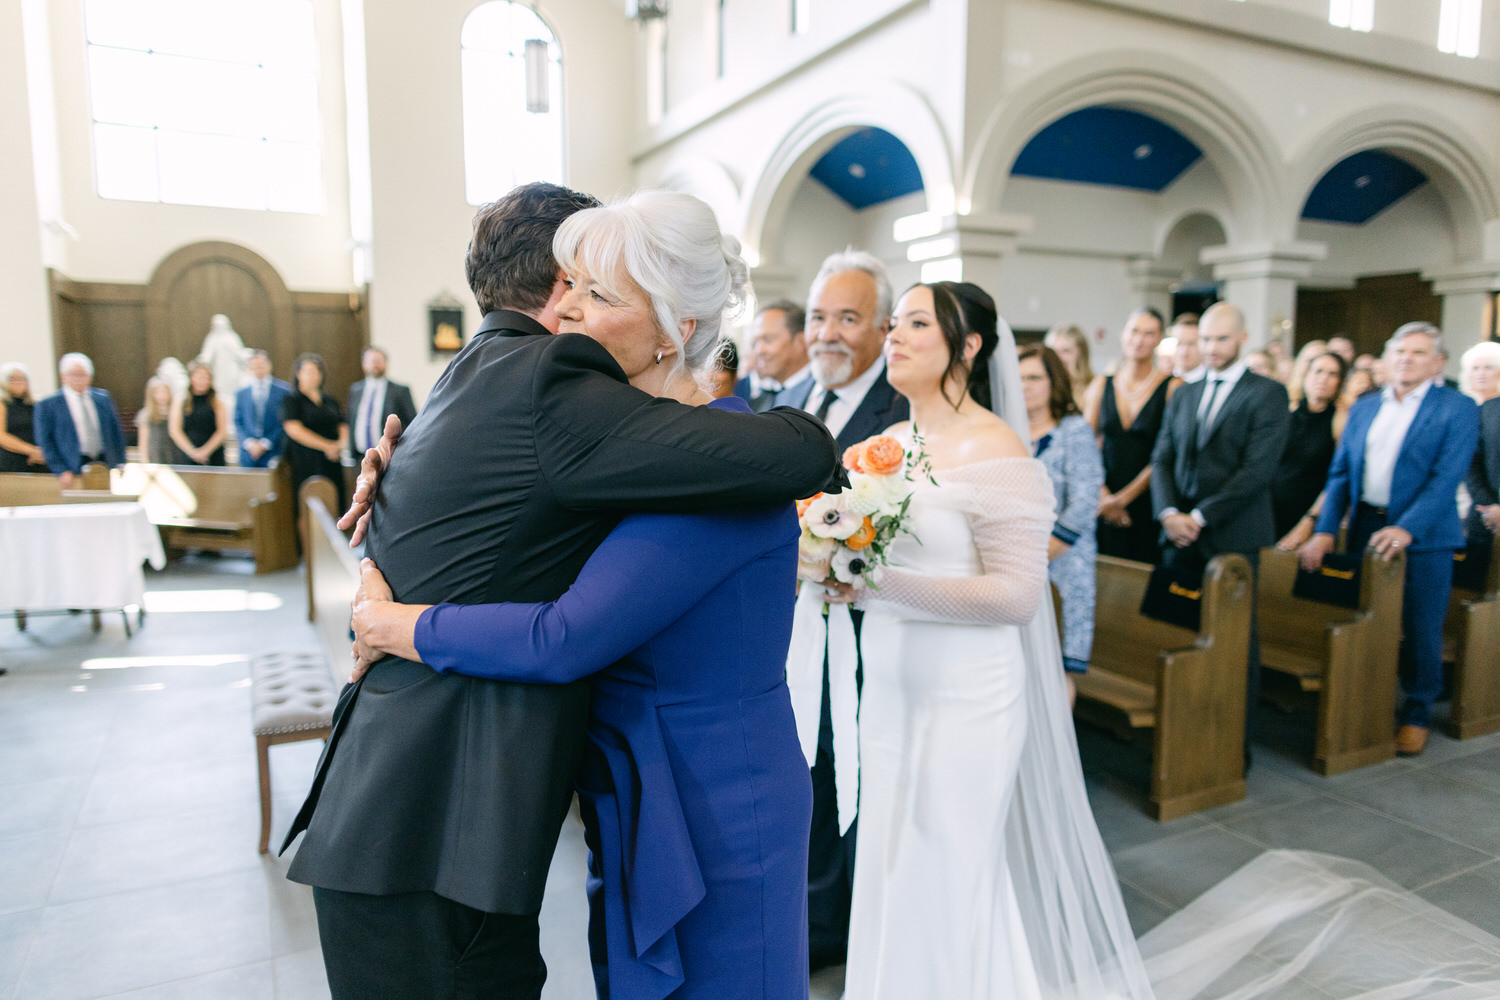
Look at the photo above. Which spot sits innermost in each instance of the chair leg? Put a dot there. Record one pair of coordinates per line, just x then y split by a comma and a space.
20, 621
94, 617
263, 763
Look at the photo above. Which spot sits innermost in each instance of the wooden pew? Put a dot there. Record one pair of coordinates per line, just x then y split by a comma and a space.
37, 489
1349, 656
1472, 642
1189, 688
292, 697
201, 507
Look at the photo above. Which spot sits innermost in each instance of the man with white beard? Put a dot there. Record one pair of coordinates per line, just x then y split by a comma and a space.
848, 316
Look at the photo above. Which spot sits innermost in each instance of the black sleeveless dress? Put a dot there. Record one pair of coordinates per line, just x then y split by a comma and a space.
1126, 452
18, 422
1303, 468
200, 425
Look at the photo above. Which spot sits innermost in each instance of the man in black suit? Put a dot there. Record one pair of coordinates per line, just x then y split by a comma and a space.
777, 352
375, 397
1215, 457
437, 803
848, 316
1484, 474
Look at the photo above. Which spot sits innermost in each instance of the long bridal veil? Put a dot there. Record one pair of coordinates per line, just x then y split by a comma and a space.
1290, 924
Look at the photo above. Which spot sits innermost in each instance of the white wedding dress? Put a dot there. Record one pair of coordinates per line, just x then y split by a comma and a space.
980, 873
943, 720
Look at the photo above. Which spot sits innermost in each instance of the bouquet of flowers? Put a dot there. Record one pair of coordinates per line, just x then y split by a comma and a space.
846, 536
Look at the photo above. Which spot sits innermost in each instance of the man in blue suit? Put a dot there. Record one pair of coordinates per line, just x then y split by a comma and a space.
1397, 470
78, 424
257, 414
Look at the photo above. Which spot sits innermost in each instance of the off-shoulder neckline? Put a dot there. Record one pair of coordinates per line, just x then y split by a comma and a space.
984, 463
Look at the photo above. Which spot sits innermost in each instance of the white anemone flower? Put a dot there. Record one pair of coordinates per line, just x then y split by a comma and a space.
827, 517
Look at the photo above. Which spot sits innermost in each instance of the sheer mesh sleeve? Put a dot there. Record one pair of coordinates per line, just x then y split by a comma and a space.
1009, 504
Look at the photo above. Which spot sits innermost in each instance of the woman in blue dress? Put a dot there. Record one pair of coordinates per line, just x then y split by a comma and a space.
694, 793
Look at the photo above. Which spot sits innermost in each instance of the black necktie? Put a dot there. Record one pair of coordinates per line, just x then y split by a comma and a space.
1205, 423
829, 397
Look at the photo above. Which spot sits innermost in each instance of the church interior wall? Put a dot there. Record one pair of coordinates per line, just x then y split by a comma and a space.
27, 335
123, 241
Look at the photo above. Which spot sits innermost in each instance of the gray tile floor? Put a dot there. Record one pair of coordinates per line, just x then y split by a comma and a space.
129, 812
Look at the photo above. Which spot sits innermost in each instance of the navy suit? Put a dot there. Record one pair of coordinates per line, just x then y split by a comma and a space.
246, 427
58, 438
830, 862
1434, 457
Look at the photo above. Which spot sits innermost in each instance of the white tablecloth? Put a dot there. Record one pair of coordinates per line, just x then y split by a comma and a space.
76, 556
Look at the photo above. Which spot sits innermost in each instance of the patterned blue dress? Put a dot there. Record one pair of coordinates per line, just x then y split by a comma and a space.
694, 791
1071, 457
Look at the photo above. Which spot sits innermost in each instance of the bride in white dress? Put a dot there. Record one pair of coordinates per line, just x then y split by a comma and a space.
959, 741
980, 874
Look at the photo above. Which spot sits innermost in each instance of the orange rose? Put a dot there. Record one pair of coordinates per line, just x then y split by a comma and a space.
852, 455
882, 456
862, 536
802, 505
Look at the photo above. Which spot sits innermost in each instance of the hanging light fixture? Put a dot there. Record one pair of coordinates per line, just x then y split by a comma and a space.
645, 10
538, 100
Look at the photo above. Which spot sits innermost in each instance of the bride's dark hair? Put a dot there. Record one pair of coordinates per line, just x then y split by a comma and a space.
962, 308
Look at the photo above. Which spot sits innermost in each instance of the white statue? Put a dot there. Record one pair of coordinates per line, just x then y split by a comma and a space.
174, 373
226, 355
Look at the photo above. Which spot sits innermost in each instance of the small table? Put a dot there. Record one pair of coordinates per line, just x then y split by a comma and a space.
70, 556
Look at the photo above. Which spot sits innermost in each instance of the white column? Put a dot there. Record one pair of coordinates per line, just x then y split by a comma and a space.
962, 247
1153, 282
26, 334
1261, 279
1466, 289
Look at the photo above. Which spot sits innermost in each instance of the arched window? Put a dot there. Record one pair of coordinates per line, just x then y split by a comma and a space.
512, 71
206, 104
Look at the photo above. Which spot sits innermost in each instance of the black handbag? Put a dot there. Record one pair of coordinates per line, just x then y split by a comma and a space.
1174, 594
1336, 582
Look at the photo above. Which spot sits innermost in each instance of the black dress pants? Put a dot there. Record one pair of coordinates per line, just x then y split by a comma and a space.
422, 946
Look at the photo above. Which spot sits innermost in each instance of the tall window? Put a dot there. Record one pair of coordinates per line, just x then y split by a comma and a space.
1356, 14
200, 103
512, 101
1458, 27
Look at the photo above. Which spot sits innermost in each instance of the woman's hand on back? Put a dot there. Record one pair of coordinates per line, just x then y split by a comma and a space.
370, 469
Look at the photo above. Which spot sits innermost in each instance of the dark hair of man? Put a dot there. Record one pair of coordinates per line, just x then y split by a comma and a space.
1060, 401
1161, 324
316, 359
260, 354
726, 357
962, 308
794, 315
509, 262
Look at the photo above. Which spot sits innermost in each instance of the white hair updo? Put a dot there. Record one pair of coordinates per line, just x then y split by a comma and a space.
670, 245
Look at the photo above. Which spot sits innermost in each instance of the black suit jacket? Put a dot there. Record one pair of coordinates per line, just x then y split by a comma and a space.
397, 400
1229, 478
881, 407
1484, 472
527, 451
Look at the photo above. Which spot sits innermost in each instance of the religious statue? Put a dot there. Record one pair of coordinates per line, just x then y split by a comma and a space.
226, 356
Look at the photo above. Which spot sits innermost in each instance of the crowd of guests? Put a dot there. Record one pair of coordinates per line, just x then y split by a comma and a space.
267, 419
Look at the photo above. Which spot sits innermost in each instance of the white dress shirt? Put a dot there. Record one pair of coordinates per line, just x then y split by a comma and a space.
1194, 374
85, 421
369, 425
798, 377
850, 395
1383, 442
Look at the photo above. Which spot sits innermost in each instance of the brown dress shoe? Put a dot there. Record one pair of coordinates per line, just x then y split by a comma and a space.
1411, 740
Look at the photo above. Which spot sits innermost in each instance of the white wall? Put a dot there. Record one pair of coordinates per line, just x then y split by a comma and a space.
123, 241
26, 334
1414, 234
421, 218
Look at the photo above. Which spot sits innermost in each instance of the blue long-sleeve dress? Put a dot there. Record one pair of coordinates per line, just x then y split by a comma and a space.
694, 793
